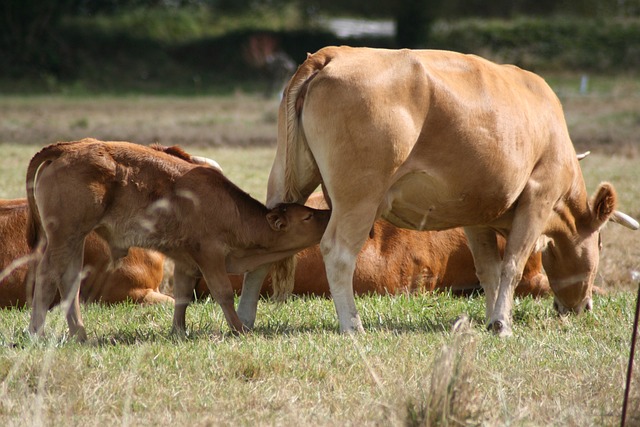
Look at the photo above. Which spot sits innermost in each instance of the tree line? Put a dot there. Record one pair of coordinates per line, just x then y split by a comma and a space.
31, 36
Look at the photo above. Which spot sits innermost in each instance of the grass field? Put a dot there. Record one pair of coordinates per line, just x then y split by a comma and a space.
410, 368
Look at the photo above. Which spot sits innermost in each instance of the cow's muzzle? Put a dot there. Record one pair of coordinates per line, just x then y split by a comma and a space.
585, 305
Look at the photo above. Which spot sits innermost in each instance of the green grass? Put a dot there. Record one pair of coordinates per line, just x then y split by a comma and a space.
296, 368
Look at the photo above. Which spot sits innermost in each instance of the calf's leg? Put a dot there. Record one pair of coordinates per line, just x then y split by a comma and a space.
44, 293
184, 281
221, 290
60, 265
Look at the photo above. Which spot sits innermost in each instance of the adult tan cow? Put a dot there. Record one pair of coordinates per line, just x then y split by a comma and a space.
136, 278
132, 195
393, 261
432, 140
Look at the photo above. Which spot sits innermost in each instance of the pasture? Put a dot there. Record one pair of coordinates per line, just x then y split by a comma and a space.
412, 367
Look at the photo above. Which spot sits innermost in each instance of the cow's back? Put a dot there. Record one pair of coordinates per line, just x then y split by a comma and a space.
451, 134
113, 194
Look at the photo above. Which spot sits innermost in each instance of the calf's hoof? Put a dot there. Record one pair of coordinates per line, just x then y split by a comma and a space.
80, 336
500, 328
78, 333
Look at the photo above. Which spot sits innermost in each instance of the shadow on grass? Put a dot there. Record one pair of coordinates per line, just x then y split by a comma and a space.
433, 313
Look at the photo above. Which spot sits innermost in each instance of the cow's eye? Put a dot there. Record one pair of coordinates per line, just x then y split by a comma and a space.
308, 217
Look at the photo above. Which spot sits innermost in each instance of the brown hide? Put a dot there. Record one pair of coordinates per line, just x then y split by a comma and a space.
397, 260
160, 199
136, 277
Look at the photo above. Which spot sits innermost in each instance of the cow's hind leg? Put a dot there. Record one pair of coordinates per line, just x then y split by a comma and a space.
340, 246
70, 293
487, 261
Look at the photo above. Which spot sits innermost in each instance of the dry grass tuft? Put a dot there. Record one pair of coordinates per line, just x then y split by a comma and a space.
453, 397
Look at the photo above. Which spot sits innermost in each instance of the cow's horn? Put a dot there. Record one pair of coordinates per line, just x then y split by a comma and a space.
199, 160
625, 220
583, 155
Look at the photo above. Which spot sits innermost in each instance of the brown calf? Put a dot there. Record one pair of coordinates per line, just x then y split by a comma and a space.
133, 195
136, 278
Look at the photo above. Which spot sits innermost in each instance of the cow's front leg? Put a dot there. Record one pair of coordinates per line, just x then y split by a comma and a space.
486, 258
248, 304
532, 212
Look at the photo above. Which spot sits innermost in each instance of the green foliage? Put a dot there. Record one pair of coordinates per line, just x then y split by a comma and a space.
182, 46
28, 31
558, 43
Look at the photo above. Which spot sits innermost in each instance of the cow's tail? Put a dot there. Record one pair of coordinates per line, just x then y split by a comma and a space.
296, 153
283, 277
35, 231
295, 141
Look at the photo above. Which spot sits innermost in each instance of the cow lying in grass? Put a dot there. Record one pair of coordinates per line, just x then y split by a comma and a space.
393, 261
132, 195
136, 278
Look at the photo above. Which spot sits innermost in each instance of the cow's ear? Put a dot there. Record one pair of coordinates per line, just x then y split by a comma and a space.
277, 220
603, 204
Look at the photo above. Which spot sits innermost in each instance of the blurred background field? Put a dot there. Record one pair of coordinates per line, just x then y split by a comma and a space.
161, 59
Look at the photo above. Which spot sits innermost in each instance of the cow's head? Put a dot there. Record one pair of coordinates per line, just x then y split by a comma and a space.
298, 225
571, 258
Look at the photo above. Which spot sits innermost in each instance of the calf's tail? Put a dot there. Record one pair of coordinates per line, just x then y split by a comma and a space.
35, 232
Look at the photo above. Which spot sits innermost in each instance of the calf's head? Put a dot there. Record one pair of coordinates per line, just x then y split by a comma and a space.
572, 255
297, 226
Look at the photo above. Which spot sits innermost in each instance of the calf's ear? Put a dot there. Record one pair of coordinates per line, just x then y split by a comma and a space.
277, 220
603, 204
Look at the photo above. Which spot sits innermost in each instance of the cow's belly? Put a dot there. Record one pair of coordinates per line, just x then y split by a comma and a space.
422, 201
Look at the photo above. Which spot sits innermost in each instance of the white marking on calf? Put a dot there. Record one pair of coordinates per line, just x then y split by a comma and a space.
154, 211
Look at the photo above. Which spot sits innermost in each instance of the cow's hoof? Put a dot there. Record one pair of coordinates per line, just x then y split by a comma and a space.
500, 328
